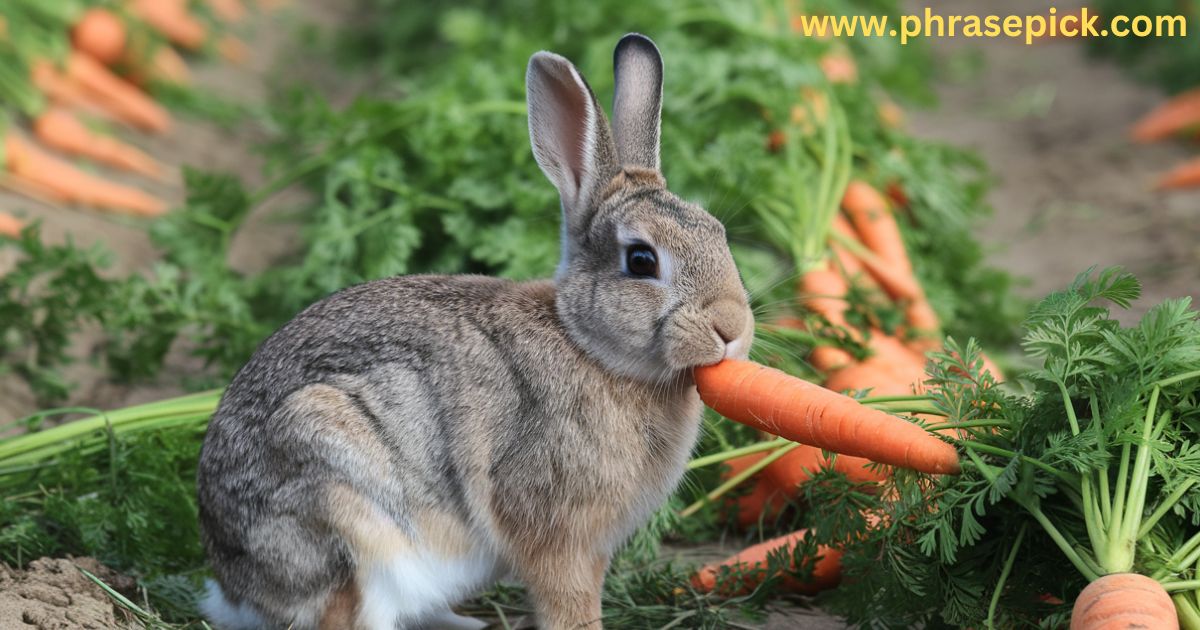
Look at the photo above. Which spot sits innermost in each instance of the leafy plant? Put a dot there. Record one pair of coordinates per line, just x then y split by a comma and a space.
44, 299
1096, 464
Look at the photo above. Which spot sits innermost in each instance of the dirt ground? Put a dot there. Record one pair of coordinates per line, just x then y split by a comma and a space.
53, 594
1071, 192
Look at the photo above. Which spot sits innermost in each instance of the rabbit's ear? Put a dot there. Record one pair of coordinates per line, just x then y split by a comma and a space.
637, 101
569, 133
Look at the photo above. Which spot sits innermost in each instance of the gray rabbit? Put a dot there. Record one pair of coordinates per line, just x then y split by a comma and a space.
404, 443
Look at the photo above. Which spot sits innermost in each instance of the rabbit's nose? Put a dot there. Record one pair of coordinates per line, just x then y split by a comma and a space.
732, 329
726, 333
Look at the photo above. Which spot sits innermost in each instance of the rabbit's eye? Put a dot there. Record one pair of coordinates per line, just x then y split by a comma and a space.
641, 261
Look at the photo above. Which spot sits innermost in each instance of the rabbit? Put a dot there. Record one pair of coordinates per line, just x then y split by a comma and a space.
404, 443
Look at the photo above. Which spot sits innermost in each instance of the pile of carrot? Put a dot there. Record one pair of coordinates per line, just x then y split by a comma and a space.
1179, 116
100, 79
867, 251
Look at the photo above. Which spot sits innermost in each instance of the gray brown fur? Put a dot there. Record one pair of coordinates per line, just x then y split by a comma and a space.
440, 415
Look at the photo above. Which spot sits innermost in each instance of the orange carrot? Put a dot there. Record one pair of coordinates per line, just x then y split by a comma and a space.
849, 264
772, 401
898, 283
824, 293
824, 358
829, 359
60, 130
896, 353
10, 226
64, 182
762, 500
115, 93
874, 374
779, 481
798, 466
1185, 175
100, 34
872, 218
51, 82
839, 68
751, 565
86, 84
1178, 114
171, 18
924, 322
1124, 600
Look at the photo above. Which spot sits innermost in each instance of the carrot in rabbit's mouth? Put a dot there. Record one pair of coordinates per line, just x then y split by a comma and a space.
772, 401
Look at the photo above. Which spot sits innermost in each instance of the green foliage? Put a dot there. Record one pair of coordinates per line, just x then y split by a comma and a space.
1045, 476
51, 292
131, 505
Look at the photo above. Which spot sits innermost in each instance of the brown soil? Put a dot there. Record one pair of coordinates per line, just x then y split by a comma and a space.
1051, 121
52, 594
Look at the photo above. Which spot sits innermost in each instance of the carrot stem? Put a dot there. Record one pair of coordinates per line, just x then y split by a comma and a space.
1184, 585
1092, 517
736, 480
1067, 548
1177, 378
1162, 509
887, 399
1008, 565
987, 422
1189, 616
1117, 555
1106, 508
1119, 490
1062, 387
1062, 543
1175, 562
1003, 452
716, 458
909, 408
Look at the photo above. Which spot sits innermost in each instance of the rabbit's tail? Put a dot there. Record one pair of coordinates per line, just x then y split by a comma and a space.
226, 615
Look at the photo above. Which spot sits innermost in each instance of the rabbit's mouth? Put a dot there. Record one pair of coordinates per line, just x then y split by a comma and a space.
738, 348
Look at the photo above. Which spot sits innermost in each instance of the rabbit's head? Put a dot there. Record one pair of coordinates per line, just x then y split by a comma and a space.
646, 284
